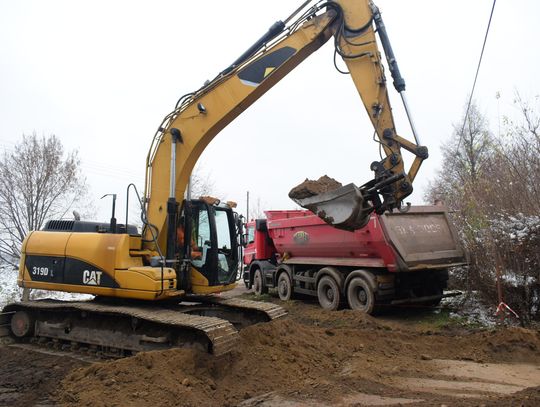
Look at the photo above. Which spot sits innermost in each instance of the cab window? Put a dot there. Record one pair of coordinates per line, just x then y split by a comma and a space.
250, 234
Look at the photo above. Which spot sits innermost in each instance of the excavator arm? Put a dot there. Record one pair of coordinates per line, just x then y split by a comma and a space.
358, 48
201, 115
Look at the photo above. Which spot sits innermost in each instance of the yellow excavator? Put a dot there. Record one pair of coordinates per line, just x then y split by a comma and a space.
154, 289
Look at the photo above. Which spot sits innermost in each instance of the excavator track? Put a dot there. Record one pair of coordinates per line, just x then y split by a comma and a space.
118, 330
272, 311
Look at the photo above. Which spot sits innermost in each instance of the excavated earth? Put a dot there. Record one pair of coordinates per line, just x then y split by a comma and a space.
310, 358
310, 188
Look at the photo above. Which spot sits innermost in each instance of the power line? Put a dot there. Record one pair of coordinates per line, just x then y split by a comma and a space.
476, 77
94, 167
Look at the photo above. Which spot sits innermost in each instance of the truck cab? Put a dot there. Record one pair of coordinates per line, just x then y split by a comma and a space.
259, 250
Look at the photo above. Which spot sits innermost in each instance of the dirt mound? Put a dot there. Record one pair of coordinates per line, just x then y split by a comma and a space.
314, 315
310, 188
512, 344
166, 376
297, 359
312, 355
28, 378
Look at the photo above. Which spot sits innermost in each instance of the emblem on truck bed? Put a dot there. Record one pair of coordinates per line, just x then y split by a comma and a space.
301, 237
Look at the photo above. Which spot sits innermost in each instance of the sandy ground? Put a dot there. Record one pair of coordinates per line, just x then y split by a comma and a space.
310, 358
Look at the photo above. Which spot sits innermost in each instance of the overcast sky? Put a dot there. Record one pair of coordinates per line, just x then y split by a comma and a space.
102, 74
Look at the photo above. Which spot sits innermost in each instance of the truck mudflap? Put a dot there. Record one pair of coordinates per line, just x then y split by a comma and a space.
118, 330
423, 237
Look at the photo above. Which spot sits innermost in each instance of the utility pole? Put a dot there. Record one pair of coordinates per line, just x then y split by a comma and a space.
247, 206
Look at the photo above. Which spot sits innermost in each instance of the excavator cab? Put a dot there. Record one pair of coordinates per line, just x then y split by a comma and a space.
209, 242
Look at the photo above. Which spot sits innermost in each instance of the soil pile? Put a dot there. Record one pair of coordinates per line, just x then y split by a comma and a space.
310, 188
283, 355
28, 378
311, 355
512, 345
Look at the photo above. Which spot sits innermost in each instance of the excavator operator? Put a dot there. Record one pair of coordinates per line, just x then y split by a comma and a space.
196, 252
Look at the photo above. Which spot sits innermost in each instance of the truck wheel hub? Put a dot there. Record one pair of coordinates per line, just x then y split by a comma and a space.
330, 294
362, 296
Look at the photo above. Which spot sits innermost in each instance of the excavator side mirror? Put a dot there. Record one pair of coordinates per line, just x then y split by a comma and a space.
243, 240
242, 237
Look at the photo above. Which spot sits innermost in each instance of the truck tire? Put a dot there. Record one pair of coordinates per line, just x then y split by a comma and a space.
328, 293
284, 287
360, 295
258, 283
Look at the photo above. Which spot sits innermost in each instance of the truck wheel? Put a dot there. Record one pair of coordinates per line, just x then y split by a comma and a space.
360, 296
258, 284
328, 293
284, 287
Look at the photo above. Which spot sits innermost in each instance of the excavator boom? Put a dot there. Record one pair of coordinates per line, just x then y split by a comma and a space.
201, 115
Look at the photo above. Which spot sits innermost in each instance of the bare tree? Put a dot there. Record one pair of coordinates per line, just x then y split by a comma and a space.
492, 186
519, 166
257, 211
202, 183
37, 182
465, 157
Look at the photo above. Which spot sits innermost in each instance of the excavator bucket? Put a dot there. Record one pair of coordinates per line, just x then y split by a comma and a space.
344, 207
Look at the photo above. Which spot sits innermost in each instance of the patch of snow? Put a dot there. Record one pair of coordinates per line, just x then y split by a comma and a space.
517, 227
11, 292
59, 295
471, 307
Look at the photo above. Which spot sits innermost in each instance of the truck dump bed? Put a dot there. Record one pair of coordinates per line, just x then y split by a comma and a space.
419, 239
423, 237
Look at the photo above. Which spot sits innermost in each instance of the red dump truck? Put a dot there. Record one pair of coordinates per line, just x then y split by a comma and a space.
397, 258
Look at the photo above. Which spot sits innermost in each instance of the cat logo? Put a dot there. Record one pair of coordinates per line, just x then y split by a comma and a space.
301, 237
92, 277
